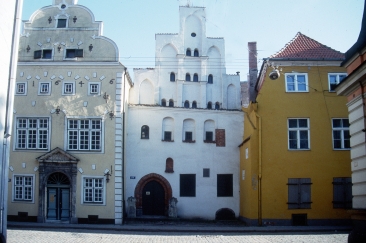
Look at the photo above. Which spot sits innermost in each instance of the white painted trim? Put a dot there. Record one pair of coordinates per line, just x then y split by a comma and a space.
82, 190
25, 88
33, 189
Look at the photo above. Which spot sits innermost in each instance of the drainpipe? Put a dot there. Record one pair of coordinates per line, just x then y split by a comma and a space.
259, 169
123, 146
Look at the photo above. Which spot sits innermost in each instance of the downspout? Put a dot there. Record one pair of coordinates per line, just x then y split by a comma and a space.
259, 169
123, 146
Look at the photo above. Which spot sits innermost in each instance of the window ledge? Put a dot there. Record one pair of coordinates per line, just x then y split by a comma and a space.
167, 140
208, 141
186, 141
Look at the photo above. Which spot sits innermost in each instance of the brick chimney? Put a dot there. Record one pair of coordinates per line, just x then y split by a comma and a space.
253, 70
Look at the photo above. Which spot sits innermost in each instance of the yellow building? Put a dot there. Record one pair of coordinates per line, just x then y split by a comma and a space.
295, 158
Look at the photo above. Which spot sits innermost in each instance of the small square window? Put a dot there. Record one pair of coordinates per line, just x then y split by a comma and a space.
94, 88
21, 89
68, 88
209, 136
61, 23
44, 88
188, 137
43, 54
73, 53
187, 185
206, 172
167, 136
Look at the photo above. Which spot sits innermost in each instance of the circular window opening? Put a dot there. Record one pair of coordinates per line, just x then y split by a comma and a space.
63, 6
193, 34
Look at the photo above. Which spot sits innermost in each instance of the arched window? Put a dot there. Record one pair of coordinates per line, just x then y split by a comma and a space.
196, 53
194, 104
217, 106
172, 77
188, 77
145, 132
210, 79
188, 52
186, 104
189, 131
168, 129
171, 103
195, 77
209, 105
169, 165
163, 102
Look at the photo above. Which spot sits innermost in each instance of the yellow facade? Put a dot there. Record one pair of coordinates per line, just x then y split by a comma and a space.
269, 163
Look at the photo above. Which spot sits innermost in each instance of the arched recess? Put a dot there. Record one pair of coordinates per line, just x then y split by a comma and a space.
214, 61
168, 58
146, 94
192, 24
153, 177
231, 97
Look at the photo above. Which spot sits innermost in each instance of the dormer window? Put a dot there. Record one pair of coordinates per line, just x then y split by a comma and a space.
72, 53
61, 23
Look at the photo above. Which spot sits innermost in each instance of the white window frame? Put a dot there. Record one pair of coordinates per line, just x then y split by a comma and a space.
40, 88
296, 83
25, 87
90, 88
78, 131
338, 80
93, 189
298, 131
68, 84
342, 134
24, 129
15, 186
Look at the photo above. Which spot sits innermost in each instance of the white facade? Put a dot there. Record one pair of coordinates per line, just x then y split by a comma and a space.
188, 95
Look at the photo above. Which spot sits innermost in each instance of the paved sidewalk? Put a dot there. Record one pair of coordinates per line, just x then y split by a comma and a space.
182, 227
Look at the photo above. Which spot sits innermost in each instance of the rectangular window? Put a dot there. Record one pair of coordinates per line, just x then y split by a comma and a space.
224, 185
84, 134
72, 53
43, 54
298, 133
206, 172
296, 82
44, 88
341, 137
188, 185
21, 88
342, 192
167, 136
61, 23
334, 79
188, 137
93, 190
299, 193
68, 88
32, 133
209, 137
23, 188
94, 89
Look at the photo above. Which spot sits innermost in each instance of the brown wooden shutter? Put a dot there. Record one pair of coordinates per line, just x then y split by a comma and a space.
220, 137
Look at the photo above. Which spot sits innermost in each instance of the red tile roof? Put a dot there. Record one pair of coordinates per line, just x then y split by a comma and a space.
303, 47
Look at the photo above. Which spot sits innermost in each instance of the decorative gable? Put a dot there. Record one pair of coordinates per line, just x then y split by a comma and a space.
57, 155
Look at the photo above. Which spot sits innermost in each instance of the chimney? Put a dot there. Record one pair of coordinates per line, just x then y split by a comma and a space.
253, 70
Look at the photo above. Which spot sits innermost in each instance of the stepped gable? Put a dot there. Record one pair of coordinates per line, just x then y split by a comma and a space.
303, 47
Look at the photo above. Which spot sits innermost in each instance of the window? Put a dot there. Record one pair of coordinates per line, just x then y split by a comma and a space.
217, 106
68, 88
188, 137
163, 102
145, 132
172, 77
298, 133
167, 136
186, 104
299, 193
44, 88
210, 79
93, 88
224, 185
72, 53
21, 88
187, 185
188, 77
61, 23
169, 165
220, 137
206, 172
209, 105
32, 133
168, 129
23, 188
43, 54
342, 192
84, 134
209, 137
194, 104
196, 53
188, 52
341, 137
193, 34
195, 77
93, 190
171, 103
297, 82
334, 79
189, 128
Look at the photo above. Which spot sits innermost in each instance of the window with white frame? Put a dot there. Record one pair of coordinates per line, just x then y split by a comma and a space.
94, 88
32, 133
341, 137
298, 133
334, 79
44, 88
296, 82
23, 188
84, 134
93, 190
21, 88
68, 88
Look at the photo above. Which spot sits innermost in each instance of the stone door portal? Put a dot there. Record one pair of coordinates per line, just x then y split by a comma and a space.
153, 196
58, 197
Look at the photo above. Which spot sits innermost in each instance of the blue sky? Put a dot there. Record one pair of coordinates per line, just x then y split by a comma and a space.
132, 24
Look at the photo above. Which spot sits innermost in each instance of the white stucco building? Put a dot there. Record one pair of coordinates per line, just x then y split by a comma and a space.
184, 126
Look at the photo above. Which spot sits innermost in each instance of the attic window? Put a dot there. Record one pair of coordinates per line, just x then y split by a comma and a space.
61, 23
72, 53
63, 6
193, 34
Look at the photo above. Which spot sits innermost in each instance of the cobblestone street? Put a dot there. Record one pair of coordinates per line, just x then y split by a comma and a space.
84, 236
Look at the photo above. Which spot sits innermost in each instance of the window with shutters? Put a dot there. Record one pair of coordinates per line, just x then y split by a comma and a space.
187, 185
73, 53
342, 192
224, 185
299, 193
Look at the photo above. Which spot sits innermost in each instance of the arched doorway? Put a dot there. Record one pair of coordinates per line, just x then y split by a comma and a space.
152, 195
58, 197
